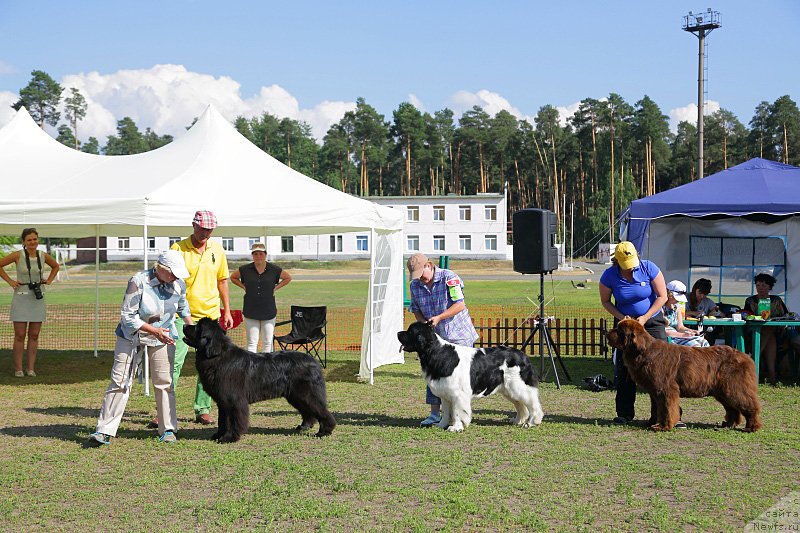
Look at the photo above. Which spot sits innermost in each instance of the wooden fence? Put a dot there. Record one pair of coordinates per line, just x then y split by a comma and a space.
571, 336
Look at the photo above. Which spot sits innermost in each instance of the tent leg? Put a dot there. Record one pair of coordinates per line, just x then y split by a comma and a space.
96, 287
371, 303
146, 358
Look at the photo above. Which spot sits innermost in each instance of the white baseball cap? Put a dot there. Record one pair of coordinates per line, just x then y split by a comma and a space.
173, 260
678, 289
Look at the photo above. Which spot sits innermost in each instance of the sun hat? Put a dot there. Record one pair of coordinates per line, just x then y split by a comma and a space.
173, 260
205, 219
678, 289
258, 247
415, 265
626, 255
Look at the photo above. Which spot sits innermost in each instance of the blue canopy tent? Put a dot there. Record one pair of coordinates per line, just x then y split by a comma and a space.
725, 227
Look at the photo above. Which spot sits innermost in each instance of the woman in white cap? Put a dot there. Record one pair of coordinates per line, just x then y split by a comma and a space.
260, 280
673, 310
147, 324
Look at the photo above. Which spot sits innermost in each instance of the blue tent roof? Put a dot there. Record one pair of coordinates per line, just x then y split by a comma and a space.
755, 186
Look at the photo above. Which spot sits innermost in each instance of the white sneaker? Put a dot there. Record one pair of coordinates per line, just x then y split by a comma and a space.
432, 420
19, 374
31, 373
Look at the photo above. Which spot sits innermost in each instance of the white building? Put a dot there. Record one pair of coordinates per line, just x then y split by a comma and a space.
464, 227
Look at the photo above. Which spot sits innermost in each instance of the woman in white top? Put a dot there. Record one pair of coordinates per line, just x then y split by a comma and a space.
28, 307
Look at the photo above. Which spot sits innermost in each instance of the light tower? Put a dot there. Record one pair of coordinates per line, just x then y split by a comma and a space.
701, 24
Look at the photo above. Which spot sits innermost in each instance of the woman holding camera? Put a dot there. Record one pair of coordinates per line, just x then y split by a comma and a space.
28, 307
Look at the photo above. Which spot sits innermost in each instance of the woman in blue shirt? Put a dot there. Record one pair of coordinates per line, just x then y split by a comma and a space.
639, 292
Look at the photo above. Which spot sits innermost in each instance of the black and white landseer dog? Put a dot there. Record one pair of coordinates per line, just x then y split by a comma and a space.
235, 378
456, 374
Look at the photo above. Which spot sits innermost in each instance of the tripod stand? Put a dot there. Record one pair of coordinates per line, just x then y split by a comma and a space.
545, 339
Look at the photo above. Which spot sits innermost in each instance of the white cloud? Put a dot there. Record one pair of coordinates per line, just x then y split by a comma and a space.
491, 102
416, 102
689, 113
566, 112
166, 98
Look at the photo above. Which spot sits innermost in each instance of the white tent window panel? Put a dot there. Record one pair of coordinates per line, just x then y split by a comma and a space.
380, 281
731, 262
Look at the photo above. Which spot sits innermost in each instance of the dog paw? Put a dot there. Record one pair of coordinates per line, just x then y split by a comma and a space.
302, 427
658, 427
455, 429
216, 435
225, 439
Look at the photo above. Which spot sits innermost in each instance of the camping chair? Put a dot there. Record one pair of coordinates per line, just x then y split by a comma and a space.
308, 331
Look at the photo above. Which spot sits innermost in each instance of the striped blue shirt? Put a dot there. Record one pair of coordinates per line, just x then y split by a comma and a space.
149, 301
436, 299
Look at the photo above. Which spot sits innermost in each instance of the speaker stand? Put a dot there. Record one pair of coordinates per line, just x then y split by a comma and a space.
545, 340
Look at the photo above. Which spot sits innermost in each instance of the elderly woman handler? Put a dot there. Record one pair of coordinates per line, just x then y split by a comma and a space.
147, 324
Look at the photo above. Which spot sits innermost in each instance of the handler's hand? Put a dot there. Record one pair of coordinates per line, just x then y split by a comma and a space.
641, 320
227, 319
162, 334
434, 320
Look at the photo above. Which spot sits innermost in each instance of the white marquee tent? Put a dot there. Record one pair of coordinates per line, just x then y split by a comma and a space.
66, 193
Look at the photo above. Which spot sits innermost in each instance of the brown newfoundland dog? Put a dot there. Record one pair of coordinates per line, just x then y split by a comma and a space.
671, 371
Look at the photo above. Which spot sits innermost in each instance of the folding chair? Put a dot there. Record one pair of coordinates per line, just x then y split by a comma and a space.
308, 331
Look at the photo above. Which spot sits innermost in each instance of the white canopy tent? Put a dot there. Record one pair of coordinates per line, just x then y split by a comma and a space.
66, 193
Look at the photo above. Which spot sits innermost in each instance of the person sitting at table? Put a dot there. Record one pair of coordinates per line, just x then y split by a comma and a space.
771, 337
677, 332
699, 303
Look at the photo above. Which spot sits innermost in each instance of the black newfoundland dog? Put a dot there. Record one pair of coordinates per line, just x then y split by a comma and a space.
456, 374
235, 378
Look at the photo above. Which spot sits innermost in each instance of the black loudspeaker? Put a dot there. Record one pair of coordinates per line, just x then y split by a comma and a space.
534, 241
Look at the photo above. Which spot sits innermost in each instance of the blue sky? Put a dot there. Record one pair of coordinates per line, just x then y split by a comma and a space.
161, 62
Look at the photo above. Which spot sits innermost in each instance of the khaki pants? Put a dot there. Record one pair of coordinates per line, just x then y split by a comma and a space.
162, 360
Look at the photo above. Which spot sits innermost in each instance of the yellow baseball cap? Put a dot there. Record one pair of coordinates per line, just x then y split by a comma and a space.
626, 255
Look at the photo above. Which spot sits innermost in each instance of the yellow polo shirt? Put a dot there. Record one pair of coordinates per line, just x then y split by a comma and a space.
205, 270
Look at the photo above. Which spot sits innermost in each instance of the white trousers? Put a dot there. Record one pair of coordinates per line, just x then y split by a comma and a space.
264, 328
126, 360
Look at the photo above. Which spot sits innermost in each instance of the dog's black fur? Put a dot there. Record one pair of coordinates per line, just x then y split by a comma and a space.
235, 378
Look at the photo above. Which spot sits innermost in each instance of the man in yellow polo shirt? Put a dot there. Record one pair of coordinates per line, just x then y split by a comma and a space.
206, 288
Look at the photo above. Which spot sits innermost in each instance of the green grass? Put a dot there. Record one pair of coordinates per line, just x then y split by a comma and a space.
379, 470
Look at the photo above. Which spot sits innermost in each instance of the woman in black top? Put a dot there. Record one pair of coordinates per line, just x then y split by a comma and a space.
260, 280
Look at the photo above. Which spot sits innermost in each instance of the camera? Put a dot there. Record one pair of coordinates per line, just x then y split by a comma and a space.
37, 290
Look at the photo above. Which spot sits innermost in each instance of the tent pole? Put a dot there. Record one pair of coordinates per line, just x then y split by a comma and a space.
144, 354
96, 287
371, 303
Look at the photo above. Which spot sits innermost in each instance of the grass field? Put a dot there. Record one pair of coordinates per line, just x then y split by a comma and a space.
379, 470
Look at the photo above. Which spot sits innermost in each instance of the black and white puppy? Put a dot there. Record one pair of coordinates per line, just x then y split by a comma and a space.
456, 374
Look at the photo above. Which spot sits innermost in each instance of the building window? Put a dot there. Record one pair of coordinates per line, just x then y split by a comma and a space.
490, 242
336, 243
251, 241
287, 244
412, 243
412, 213
173, 240
490, 212
151, 244
438, 243
464, 212
465, 243
124, 243
362, 243
438, 213
227, 244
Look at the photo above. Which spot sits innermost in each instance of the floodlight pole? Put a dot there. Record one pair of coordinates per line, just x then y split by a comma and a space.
701, 24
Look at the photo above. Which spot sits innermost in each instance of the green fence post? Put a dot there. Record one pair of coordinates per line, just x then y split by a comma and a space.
444, 261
